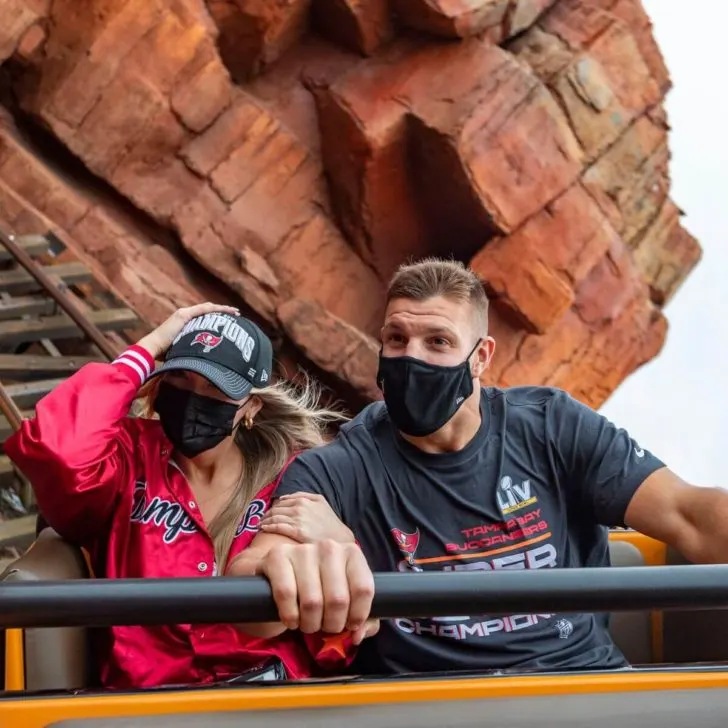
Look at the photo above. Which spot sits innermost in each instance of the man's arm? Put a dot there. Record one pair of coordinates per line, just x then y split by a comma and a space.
691, 519
311, 472
323, 586
316, 586
298, 477
326, 471
600, 467
248, 563
622, 483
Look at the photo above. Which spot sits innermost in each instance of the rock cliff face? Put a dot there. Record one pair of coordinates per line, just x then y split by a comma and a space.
290, 154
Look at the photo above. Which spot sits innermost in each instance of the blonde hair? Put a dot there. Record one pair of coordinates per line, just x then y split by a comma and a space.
431, 277
291, 419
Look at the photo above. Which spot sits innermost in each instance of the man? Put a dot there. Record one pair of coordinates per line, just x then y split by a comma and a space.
446, 474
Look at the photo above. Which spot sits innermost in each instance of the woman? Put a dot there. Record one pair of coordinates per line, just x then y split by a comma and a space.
181, 495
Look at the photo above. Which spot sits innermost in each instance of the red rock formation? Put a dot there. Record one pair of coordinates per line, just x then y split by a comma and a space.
291, 153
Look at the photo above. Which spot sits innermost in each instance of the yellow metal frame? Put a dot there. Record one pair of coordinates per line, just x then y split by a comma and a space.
38, 712
655, 554
14, 659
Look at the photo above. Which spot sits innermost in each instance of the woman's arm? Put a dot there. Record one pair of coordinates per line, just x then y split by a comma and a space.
77, 451
247, 564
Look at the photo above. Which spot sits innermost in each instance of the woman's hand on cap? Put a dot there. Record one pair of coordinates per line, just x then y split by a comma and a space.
158, 341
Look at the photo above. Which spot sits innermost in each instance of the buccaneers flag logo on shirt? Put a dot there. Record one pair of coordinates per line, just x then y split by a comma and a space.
407, 543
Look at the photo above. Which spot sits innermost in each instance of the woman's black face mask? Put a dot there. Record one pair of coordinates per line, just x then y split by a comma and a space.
420, 397
193, 423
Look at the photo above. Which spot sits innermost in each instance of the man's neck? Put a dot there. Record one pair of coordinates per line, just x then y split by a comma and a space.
457, 433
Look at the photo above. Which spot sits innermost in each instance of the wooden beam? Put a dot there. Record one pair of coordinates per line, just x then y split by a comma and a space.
32, 244
15, 308
20, 281
10, 477
5, 427
26, 367
27, 395
61, 327
7, 471
18, 532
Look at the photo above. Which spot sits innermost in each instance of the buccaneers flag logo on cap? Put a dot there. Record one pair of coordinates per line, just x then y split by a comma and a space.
207, 340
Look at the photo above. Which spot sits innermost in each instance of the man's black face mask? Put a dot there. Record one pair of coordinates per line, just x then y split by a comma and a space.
422, 397
193, 423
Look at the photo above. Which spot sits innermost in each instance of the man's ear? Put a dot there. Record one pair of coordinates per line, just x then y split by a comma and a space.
483, 356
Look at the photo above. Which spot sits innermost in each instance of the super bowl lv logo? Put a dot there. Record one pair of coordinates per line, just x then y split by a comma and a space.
206, 340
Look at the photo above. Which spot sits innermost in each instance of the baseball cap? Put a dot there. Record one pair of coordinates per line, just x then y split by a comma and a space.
229, 351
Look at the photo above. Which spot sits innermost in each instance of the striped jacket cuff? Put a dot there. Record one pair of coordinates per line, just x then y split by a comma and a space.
138, 360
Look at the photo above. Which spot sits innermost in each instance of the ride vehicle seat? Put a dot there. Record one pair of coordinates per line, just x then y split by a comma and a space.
56, 658
59, 658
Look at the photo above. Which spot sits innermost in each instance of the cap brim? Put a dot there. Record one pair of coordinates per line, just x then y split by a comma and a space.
227, 381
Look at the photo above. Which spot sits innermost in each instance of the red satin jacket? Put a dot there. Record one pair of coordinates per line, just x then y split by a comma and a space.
105, 481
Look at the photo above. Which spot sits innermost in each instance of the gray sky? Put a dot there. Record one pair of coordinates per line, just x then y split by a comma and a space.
677, 406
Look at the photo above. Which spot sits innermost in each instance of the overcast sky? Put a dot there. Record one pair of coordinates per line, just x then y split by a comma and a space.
677, 406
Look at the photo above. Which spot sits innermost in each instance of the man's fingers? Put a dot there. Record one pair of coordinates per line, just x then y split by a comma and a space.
335, 587
286, 529
286, 526
368, 629
302, 496
276, 519
310, 595
279, 571
361, 588
280, 527
289, 508
325, 586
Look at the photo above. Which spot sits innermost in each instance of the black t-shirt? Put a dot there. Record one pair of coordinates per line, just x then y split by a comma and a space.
537, 487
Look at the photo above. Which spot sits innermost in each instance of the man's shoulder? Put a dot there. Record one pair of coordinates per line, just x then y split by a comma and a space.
365, 423
532, 397
351, 438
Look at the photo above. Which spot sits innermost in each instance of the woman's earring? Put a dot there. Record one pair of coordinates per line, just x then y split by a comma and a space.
248, 422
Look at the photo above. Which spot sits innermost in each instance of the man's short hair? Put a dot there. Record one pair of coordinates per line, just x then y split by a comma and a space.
431, 277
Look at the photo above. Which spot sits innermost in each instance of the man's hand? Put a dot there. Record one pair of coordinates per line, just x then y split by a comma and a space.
323, 586
305, 517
